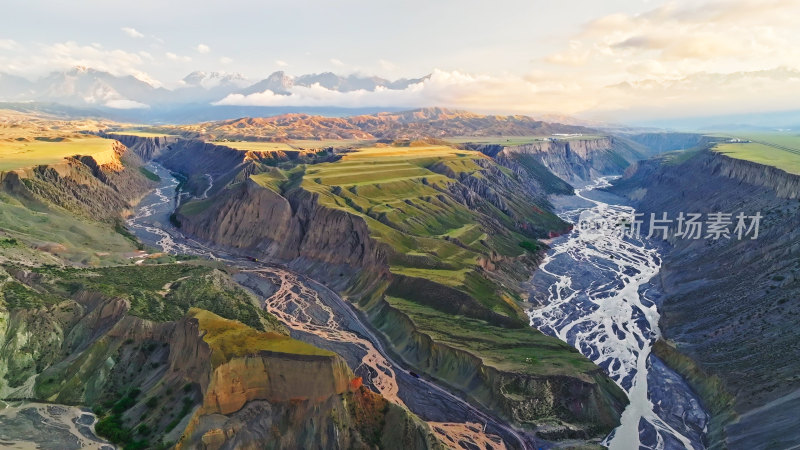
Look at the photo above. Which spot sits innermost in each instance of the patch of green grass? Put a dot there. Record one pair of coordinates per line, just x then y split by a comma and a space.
57, 232
230, 339
20, 151
514, 349
452, 278
16, 295
781, 150
112, 425
272, 179
406, 197
532, 247
163, 292
149, 175
678, 157
195, 207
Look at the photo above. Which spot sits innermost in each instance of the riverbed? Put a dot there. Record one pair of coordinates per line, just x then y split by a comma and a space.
593, 291
316, 314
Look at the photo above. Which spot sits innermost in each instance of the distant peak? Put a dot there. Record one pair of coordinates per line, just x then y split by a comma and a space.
212, 79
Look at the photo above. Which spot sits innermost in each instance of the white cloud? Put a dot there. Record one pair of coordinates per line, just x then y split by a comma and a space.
729, 36
125, 104
441, 89
173, 57
202, 48
281, 63
386, 65
44, 58
336, 62
8, 44
132, 32
701, 57
225, 60
542, 92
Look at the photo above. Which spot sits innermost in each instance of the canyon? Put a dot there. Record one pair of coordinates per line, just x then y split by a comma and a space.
401, 292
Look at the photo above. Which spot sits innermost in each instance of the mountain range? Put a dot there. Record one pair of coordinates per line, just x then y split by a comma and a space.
421, 123
87, 87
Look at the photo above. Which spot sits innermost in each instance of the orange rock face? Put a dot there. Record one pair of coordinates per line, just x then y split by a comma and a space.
275, 377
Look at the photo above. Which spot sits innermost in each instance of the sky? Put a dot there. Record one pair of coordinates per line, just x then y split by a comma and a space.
608, 60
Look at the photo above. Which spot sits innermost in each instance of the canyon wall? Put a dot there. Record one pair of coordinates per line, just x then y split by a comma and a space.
575, 161
293, 229
94, 187
147, 148
111, 339
335, 247
725, 301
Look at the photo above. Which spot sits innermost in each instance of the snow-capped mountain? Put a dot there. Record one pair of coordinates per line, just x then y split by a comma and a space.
280, 83
84, 87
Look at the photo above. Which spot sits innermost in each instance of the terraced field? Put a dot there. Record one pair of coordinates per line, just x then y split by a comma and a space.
405, 194
403, 200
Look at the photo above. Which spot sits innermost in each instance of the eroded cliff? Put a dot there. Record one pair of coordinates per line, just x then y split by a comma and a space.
463, 216
118, 337
725, 301
574, 160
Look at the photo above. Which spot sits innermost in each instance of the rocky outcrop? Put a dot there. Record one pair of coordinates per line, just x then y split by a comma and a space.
356, 418
783, 184
586, 405
294, 229
575, 161
249, 378
88, 350
149, 380
725, 301
147, 148
102, 186
336, 246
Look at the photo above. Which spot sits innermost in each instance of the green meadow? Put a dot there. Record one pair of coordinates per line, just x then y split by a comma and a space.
231, 339
512, 349
403, 194
781, 150
21, 151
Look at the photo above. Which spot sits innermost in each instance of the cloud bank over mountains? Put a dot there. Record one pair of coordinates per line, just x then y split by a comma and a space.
662, 60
